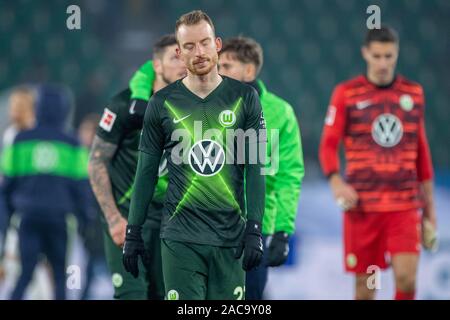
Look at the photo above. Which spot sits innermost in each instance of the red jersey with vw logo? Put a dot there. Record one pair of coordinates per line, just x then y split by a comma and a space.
383, 133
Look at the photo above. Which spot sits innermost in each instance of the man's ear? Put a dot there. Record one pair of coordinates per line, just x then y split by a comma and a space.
218, 44
365, 53
178, 52
249, 72
157, 66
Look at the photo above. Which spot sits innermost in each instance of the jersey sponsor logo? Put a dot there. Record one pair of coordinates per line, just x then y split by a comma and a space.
173, 295
107, 120
175, 121
363, 104
206, 157
406, 102
45, 157
132, 110
331, 116
387, 130
227, 118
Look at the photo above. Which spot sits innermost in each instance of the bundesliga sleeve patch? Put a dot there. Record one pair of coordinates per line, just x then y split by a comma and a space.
262, 121
107, 121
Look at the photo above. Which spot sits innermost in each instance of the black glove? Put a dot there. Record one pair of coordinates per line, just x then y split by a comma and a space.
278, 249
251, 245
132, 249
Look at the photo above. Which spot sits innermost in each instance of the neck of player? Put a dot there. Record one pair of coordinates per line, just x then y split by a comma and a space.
203, 85
379, 81
159, 84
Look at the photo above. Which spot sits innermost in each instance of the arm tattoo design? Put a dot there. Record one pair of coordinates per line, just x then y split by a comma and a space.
101, 153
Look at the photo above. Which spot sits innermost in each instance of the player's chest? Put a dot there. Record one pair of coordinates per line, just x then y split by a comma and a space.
202, 116
385, 116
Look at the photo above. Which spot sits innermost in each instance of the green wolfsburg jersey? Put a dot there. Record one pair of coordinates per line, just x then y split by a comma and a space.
121, 125
205, 202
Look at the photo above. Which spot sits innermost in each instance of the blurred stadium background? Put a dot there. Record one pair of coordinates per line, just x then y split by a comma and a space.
309, 46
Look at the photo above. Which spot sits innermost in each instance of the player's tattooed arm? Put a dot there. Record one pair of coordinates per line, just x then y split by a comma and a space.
101, 154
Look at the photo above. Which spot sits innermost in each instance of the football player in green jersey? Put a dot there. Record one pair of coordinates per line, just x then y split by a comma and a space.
211, 224
112, 169
241, 58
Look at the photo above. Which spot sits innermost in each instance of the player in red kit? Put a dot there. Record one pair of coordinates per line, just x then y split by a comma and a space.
387, 191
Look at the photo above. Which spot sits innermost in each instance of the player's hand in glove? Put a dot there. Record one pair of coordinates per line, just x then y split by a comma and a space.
251, 245
132, 249
278, 249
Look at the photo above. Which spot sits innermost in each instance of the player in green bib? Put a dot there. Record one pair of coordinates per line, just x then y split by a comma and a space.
112, 168
213, 132
242, 58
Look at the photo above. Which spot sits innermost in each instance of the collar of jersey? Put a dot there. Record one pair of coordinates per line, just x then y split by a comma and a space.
211, 95
385, 86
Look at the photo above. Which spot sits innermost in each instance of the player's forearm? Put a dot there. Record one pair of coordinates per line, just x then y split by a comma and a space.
101, 154
255, 192
144, 187
287, 190
424, 163
427, 187
289, 181
335, 179
287, 203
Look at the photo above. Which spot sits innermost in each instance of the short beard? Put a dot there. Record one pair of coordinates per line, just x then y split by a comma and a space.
213, 64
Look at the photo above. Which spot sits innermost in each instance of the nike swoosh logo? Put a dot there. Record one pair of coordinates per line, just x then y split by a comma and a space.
363, 104
132, 111
175, 121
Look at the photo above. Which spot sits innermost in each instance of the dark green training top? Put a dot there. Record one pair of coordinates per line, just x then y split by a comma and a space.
206, 201
121, 125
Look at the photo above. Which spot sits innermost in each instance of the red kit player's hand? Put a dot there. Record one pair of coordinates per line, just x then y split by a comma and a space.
345, 195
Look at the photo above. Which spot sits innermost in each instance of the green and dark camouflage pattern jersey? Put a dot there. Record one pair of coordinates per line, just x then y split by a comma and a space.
121, 125
206, 200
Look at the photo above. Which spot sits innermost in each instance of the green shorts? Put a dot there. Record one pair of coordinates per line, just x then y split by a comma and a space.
149, 284
201, 272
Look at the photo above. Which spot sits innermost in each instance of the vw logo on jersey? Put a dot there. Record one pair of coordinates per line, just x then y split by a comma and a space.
227, 118
387, 130
206, 157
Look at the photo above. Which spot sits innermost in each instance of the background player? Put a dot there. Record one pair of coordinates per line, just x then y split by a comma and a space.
41, 165
241, 58
112, 169
379, 117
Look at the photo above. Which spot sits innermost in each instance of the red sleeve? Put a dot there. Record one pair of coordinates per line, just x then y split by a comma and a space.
424, 163
332, 133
